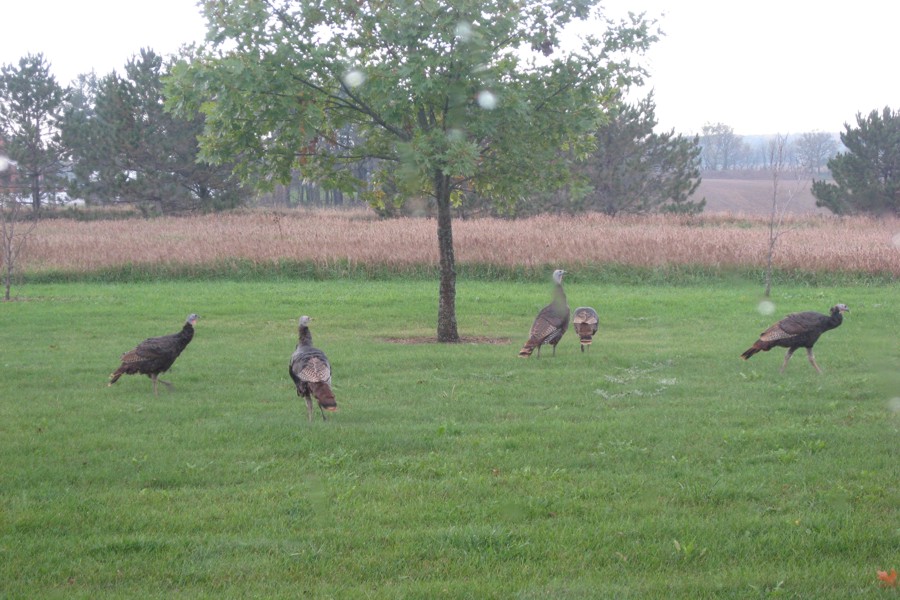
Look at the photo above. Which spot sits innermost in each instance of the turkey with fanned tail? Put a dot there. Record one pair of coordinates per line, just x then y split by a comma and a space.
585, 322
311, 372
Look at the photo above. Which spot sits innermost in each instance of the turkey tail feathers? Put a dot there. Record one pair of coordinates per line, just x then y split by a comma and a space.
325, 397
759, 346
585, 321
750, 352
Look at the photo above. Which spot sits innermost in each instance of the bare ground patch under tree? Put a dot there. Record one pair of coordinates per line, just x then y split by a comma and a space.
463, 339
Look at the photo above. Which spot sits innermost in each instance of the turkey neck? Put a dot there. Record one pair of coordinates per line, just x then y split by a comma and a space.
187, 333
834, 320
559, 299
305, 336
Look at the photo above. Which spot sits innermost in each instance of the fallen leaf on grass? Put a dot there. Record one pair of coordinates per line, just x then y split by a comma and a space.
888, 579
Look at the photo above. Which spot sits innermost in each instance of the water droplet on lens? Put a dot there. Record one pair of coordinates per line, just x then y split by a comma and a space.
766, 307
455, 135
487, 100
464, 31
354, 78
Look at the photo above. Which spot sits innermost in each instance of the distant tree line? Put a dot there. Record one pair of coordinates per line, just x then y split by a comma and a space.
125, 148
110, 140
632, 170
723, 150
107, 141
863, 162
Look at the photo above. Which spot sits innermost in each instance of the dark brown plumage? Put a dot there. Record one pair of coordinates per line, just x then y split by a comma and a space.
585, 322
311, 372
798, 330
155, 355
551, 322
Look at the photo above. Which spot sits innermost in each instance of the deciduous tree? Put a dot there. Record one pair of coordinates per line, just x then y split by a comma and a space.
783, 171
867, 176
15, 226
722, 148
814, 150
450, 95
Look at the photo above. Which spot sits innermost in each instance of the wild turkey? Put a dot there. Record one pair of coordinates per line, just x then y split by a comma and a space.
311, 372
155, 355
585, 323
551, 323
798, 330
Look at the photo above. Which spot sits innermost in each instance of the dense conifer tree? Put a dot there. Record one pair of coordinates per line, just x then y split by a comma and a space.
867, 175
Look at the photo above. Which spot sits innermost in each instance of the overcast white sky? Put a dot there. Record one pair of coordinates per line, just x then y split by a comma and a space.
766, 66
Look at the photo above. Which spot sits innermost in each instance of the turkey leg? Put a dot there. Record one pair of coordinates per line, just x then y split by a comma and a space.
812, 359
787, 357
155, 378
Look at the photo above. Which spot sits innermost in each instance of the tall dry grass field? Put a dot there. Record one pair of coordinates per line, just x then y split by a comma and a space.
325, 237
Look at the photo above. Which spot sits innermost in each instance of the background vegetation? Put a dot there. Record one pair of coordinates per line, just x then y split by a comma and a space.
107, 140
125, 149
336, 243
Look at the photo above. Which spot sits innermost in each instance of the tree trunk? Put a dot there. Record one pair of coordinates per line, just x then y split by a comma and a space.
7, 281
446, 330
35, 194
768, 290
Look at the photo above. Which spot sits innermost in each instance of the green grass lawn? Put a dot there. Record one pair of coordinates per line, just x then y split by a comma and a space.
656, 465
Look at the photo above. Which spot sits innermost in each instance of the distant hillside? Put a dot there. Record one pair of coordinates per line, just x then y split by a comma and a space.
750, 192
